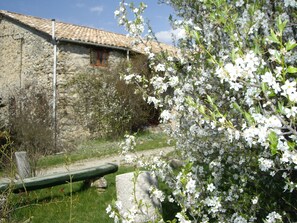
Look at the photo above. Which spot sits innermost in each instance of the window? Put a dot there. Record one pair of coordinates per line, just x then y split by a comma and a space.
99, 57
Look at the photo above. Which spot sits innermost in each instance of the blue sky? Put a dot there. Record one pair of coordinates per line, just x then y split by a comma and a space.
92, 13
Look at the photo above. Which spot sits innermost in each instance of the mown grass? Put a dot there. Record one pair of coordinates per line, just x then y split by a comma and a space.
102, 147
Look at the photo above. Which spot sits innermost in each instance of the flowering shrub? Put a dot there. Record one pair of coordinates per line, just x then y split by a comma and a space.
230, 96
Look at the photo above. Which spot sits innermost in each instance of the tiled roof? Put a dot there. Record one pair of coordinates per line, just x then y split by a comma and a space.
83, 34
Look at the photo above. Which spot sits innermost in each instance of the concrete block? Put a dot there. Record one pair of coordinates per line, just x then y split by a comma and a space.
125, 187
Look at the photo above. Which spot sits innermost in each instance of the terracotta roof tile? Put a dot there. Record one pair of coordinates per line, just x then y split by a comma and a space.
70, 32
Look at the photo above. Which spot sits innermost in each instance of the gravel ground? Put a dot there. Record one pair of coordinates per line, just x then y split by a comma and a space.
117, 159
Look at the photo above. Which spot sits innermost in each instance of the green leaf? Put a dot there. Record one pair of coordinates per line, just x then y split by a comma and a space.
238, 108
188, 167
292, 145
211, 60
233, 55
264, 87
191, 102
292, 70
278, 57
273, 37
197, 36
273, 139
290, 45
249, 118
280, 107
213, 116
271, 94
281, 25
209, 99
201, 109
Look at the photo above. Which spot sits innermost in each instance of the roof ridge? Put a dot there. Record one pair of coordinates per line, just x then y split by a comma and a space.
17, 13
62, 22
88, 27
85, 34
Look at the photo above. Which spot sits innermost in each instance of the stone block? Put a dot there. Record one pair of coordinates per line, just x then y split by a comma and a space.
125, 194
100, 183
23, 165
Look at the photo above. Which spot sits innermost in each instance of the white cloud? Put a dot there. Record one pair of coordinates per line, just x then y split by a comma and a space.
166, 36
97, 9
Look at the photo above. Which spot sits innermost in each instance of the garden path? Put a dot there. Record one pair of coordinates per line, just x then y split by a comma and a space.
116, 158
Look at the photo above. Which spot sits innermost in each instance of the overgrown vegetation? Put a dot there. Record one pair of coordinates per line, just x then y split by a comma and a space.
30, 124
112, 106
6, 161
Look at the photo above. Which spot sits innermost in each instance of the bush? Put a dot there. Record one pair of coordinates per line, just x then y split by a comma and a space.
109, 106
5, 149
30, 124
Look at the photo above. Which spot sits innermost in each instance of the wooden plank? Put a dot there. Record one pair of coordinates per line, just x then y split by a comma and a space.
35, 183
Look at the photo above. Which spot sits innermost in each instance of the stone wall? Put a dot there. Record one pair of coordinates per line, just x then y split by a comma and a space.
26, 60
74, 60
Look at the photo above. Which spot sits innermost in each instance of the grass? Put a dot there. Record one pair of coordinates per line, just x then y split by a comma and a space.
74, 203
100, 148
54, 204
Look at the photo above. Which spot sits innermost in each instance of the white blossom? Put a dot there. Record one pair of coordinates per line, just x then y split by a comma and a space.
238, 219
290, 3
191, 186
289, 90
273, 217
239, 3
158, 194
160, 67
211, 187
173, 81
255, 200
290, 112
116, 12
214, 204
166, 115
181, 218
265, 164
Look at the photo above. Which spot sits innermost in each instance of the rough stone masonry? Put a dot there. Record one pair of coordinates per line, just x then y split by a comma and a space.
26, 61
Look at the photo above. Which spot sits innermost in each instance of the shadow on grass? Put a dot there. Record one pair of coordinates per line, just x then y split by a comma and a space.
169, 210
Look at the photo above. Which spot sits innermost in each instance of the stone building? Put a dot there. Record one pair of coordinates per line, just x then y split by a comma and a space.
43, 53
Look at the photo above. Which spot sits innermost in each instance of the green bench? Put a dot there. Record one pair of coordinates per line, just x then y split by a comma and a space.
39, 182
